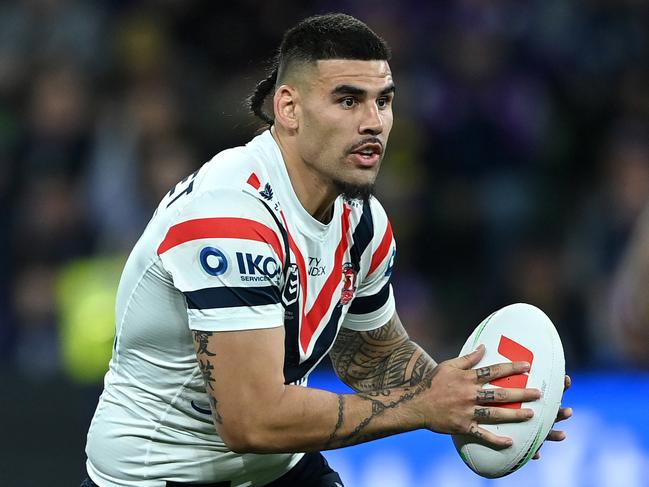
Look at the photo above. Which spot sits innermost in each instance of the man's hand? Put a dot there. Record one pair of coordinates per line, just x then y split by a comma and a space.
564, 413
456, 402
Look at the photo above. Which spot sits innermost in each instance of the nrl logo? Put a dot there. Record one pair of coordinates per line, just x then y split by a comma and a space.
292, 286
349, 283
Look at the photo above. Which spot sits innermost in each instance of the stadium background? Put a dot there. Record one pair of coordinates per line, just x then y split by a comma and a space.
517, 168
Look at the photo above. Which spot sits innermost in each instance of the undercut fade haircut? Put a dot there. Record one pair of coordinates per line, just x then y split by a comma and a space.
329, 36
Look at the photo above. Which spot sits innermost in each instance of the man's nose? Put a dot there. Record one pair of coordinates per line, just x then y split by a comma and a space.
372, 122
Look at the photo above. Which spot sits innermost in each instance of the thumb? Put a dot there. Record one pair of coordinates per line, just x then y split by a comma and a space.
469, 360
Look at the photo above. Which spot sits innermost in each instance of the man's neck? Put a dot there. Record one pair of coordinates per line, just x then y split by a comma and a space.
316, 195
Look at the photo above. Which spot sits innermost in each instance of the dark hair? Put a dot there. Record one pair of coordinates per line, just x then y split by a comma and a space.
330, 36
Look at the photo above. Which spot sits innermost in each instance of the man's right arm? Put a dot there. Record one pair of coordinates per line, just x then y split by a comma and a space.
254, 412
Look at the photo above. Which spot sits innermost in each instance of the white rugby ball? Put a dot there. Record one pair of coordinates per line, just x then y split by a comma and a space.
518, 332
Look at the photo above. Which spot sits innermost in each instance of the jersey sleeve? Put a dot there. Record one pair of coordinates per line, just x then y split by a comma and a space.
225, 253
373, 304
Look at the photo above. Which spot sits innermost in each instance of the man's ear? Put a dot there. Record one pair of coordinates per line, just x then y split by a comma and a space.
285, 106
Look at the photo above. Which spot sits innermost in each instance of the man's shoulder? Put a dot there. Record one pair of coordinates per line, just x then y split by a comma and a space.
231, 168
229, 185
239, 167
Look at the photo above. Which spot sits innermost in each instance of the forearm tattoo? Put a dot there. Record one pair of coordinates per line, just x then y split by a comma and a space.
381, 401
341, 417
386, 368
379, 359
207, 369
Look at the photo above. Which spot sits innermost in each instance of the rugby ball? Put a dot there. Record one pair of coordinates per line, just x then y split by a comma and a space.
518, 332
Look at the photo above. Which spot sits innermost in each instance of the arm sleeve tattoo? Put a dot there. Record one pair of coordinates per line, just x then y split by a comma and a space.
379, 359
387, 370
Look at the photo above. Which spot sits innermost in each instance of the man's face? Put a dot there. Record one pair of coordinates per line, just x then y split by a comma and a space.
345, 114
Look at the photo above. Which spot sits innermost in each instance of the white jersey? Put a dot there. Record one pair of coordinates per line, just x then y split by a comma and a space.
229, 248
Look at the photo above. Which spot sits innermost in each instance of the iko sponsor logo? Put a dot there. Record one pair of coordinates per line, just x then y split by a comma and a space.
213, 261
315, 267
292, 286
254, 267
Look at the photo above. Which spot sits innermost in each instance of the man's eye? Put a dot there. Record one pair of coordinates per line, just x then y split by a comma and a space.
348, 102
382, 102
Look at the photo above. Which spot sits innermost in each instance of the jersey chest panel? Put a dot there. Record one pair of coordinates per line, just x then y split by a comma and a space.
329, 275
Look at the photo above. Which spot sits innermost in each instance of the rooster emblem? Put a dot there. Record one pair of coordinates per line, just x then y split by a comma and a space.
349, 283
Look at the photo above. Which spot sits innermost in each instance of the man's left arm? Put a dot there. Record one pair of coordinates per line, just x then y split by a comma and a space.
386, 357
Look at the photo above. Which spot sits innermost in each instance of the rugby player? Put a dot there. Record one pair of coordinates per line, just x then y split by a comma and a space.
252, 269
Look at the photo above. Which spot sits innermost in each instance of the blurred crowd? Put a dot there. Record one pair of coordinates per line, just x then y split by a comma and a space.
516, 170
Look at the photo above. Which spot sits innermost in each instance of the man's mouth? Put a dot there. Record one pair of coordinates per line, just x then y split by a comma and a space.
367, 155
369, 149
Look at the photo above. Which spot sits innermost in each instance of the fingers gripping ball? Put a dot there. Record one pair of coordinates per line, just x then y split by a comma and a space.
519, 332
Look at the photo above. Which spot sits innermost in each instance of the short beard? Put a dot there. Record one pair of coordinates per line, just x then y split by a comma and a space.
352, 191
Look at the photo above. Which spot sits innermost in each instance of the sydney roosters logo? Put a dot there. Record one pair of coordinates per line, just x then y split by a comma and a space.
349, 283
